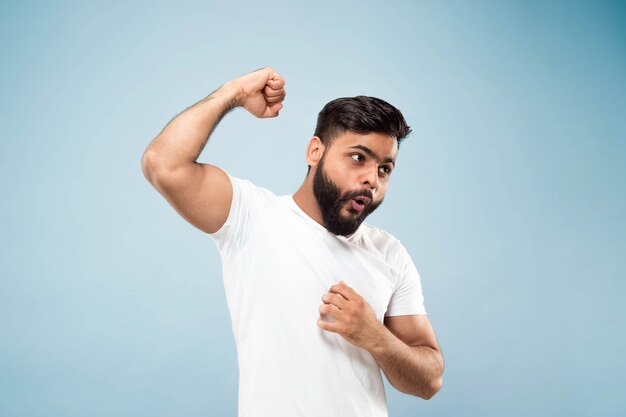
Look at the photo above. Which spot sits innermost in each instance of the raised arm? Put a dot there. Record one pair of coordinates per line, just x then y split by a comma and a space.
202, 193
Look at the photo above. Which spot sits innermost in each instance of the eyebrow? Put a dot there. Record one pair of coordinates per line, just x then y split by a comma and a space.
372, 154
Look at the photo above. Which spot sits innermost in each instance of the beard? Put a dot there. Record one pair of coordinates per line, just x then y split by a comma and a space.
331, 201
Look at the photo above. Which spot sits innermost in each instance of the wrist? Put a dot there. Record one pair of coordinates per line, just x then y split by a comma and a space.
379, 342
231, 94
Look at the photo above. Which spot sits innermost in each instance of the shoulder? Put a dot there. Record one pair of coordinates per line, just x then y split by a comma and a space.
249, 202
248, 186
246, 192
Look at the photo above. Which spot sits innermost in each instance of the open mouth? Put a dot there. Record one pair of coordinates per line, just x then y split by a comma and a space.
359, 203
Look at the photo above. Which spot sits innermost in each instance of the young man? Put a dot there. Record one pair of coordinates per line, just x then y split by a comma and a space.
320, 302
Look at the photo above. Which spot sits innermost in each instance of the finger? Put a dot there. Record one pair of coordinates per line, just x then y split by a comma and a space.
329, 310
324, 325
342, 289
275, 99
276, 82
334, 299
273, 92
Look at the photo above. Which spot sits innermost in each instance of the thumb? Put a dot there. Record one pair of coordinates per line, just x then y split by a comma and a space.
274, 109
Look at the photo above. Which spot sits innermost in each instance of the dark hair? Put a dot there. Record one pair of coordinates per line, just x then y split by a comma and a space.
362, 115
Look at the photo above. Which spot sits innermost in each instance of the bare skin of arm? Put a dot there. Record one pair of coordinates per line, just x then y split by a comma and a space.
405, 347
202, 193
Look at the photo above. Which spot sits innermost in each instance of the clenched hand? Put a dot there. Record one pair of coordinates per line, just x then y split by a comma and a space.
353, 318
261, 92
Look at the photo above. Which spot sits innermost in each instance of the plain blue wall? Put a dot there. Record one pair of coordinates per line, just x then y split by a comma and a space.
510, 194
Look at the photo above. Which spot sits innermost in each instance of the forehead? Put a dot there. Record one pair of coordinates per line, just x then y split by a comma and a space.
383, 145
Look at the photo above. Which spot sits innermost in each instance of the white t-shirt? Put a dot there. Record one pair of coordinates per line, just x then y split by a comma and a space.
277, 264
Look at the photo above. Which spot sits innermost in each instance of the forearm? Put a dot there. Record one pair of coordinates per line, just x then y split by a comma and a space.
415, 370
184, 137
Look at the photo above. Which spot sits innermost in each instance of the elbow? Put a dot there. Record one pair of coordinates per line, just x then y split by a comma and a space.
148, 166
160, 172
433, 389
163, 169
425, 391
154, 167
434, 383
436, 380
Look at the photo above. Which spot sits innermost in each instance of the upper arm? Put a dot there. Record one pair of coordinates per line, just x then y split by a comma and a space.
414, 330
200, 193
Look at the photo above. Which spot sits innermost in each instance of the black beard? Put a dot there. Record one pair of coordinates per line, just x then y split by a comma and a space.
330, 200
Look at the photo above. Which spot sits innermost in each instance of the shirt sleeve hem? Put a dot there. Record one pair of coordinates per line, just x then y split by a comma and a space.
406, 312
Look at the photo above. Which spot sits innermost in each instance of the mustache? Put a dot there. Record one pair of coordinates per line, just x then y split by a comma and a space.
354, 194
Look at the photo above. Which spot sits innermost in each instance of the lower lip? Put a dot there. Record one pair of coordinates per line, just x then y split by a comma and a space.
357, 206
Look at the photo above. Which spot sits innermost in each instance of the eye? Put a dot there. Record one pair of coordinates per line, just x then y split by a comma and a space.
357, 157
384, 170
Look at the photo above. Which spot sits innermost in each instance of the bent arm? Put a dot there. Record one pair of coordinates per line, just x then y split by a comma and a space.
405, 347
182, 140
202, 193
408, 353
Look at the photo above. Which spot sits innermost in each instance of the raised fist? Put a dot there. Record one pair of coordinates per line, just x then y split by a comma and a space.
261, 92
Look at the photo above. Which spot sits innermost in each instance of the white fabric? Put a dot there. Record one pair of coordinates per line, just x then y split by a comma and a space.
277, 263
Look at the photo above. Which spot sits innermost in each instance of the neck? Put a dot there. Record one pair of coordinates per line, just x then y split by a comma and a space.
305, 199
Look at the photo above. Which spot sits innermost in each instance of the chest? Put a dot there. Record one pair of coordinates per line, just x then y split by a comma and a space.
295, 265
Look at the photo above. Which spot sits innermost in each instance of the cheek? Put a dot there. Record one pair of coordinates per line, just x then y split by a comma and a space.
344, 168
381, 193
341, 176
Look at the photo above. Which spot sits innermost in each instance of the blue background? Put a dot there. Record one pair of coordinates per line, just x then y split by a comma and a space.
510, 194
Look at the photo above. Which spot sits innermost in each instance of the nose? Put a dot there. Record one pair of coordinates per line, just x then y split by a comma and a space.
370, 177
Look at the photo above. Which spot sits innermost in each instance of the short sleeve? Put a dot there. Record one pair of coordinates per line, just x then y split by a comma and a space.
246, 205
407, 298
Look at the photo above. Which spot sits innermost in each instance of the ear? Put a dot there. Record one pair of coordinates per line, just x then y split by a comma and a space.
314, 151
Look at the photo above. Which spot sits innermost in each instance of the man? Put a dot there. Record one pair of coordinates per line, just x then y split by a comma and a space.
319, 301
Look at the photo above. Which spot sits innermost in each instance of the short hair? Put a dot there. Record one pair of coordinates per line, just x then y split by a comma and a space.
360, 114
